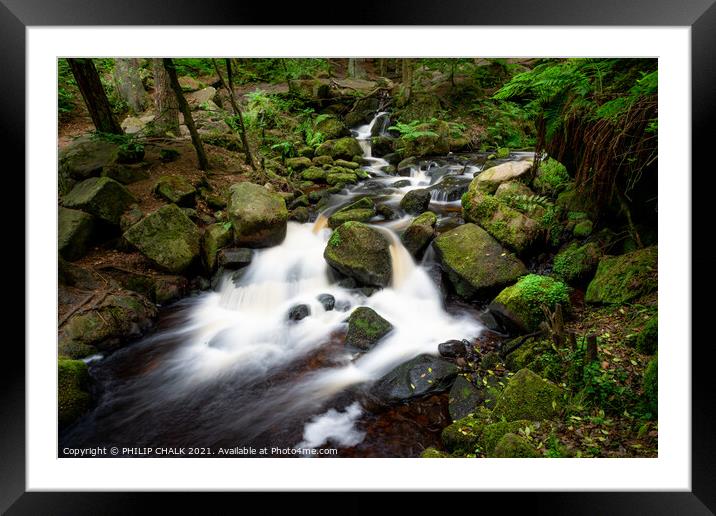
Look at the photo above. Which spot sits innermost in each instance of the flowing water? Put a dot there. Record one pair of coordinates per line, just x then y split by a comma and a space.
228, 369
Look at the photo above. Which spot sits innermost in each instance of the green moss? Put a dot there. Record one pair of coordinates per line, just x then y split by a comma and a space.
366, 328
360, 215
432, 453
583, 229
551, 177
502, 153
514, 446
647, 340
523, 301
651, 385
215, 237
575, 262
492, 433
621, 279
73, 398
527, 396
361, 252
463, 436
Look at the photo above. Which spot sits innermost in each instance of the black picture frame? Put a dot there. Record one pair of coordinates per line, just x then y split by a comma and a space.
700, 16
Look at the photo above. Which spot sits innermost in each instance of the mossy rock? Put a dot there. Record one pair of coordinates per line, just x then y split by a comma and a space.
432, 453
212, 200
360, 252
167, 237
510, 227
176, 189
433, 140
576, 263
419, 233
86, 157
167, 155
299, 163
422, 376
314, 174
73, 397
416, 201
647, 340
551, 177
215, 237
512, 189
527, 396
583, 229
331, 127
339, 178
361, 211
322, 160
621, 279
521, 304
103, 197
463, 436
464, 398
366, 328
492, 433
342, 148
382, 145
350, 165
651, 385
572, 200
126, 174
259, 217
487, 181
74, 233
528, 355
514, 446
475, 263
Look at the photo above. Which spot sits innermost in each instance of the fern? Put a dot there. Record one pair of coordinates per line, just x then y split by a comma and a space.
411, 131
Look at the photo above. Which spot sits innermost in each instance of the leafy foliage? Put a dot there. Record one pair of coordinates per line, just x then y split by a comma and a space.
411, 130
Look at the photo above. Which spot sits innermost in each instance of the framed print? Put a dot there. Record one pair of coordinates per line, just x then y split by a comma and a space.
358, 247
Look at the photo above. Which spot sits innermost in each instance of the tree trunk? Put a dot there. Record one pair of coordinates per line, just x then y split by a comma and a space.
356, 68
95, 98
382, 65
408, 77
237, 112
184, 108
166, 121
129, 84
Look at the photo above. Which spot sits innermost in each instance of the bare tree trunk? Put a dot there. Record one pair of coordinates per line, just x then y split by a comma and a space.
230, 89
165, 102
382, 66
95, 98
408, 77
356, 68
129, 84
184, 108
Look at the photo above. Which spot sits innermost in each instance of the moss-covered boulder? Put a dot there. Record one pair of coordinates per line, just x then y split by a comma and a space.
419, 233
382, 145
167, 237
322, 160
416, 201
176, 189
337, 178
74, 233
103, 197
126, 174
259, 217
520, 305
621, 279
576, 263
583, 229
463, 436
86, 157
360, 252
475, 263
314, 174
493, 432
464, 398
572, 200
350, 165
341, 148
366, 328
299, 163
551, 177
361, 211
506, 224
421, 376
73, 397
647, 340
118, 318
488, 180
432, 453
215, 237
433, 138
514, 446
512, 189
331, 127
651, 385
527, 396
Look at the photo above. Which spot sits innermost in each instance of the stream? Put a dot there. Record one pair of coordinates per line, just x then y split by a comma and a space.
228, 369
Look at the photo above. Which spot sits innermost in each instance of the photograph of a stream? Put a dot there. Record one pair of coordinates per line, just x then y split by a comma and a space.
359, 257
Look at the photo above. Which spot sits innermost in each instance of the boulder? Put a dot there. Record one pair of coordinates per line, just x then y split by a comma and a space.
259, 217
464, 398
620, 279
450, 188
360, 252
419, 233
453, 348
361, 211
299, 312
314, 174
520, 305
199, 99
583, 229
167, 237
527, 396
300, 214
234, 258
215, 237
189, 83
433, 139
350, 165
297, 164
322, 160
421, 376
474, 262
327, 301
551, 177
514, 446
494, 431
366, 328
575, 264
73, 397
86, 157
488, 180
103, 197
463, 436
416, 201
331, 127
382, 145
650, 384
176, 189
512, 189
126, 173
342, 148
336, 178
74, 233
648, 338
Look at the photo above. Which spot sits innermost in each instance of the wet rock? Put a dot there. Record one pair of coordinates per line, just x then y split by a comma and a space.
527, 396
327, 301
423, 375
300, 214
215, 237
406, 165
74, 233
103, 197
474, 262
299, 312
351, 165
361, 252
464, 398
73, 385
488, 180
298, 202
342, 148
234, 258
453, 348
387, 212
366, 328
450, 188
362, 211
342, 306
382, 145
341, 178
620, 279
416, 202
401, 183
259, 217
419, 233
393, 158
167, 237
170, 288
